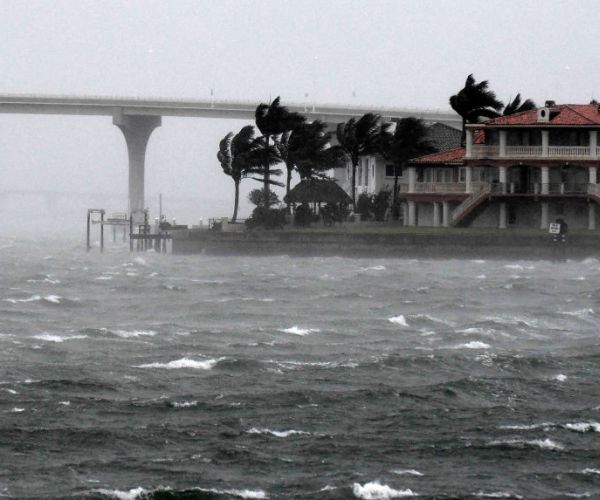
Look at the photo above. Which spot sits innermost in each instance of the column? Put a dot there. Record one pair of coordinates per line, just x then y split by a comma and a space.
412, 213
502, 151
405, 214
412, 179
445, 213
544, 218
468, 143
593, 143
137, 130
591, 215
593, 173
502, 178
502, 215
545, 142
545, 181
436, 214
468, 179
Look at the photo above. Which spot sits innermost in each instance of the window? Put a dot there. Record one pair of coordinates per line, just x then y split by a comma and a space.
462, 174
389, 171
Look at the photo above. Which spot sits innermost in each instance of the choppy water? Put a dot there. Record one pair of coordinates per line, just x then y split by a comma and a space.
149, 376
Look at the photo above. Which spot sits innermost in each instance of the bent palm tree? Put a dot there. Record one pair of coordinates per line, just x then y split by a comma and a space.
516, 106
242, 155
473, 102
307, 149
273, 120
360, 137
408, 141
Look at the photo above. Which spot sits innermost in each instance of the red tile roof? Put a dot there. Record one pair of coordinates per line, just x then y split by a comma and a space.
450, 157
568, 114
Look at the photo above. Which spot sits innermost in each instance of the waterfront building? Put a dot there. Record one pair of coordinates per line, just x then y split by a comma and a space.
375, 173
522, 170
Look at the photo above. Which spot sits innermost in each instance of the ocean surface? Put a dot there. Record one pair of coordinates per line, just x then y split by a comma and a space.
149, 376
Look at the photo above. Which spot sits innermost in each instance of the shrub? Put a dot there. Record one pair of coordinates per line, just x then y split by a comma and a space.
364, 206
380, 204
303, 215
267, 218
257, 196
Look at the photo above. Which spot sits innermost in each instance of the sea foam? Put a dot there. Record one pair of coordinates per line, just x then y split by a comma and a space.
377, 491
126, 334
57, 338
252, 494
544, 444
132, 494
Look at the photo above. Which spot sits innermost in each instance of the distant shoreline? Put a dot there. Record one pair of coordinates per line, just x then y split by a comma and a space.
464, 244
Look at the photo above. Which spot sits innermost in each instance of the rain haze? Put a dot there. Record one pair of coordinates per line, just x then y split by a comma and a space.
439, 344
395, 54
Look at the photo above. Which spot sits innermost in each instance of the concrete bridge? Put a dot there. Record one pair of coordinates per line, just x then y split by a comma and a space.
138, 117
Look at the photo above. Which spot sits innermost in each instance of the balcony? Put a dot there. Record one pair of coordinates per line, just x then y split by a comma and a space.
509, 188
528, 152
434, 187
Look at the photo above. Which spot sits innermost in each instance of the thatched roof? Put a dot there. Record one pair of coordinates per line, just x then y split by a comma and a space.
317, 190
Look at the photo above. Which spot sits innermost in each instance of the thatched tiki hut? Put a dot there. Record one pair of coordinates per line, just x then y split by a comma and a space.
310, 194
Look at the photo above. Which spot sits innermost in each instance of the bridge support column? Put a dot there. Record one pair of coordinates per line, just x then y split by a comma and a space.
502, 216
137, 130
544, 221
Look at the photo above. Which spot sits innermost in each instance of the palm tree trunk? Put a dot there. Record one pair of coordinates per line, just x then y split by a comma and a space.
354, 165
237, 199
288, 186
395, 214
266, 193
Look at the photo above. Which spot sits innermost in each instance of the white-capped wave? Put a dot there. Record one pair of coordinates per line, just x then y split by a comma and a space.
10, 391
544, 444
398, 320
133, 333
583, 427
528, 427
373, 268
377, 491
497, 494
65, 403
474, 344
279, 434
514, 266
33, 298
406, 472
184, 404
252, 494
57, 338
296, 330
433, 319
132, 494
45, 280
55, 299
560, 377
590, 471
183, 363
140, 261
580, 313
104, 278
17, 410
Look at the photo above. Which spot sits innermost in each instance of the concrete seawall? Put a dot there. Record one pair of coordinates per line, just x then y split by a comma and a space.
503, 244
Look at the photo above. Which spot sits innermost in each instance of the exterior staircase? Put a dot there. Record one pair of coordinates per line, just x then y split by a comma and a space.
472, 202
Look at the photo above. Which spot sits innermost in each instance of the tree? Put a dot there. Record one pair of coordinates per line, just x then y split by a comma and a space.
273, 120
515, 106
473, 102
360, 137
307, 149
242, 155
409, 140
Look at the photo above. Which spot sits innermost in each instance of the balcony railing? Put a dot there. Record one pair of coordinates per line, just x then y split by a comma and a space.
570, 152
509, 188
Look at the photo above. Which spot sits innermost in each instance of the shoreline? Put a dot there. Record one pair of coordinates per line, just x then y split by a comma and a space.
400, 244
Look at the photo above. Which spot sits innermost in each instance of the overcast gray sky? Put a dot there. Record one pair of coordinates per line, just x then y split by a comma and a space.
394, 53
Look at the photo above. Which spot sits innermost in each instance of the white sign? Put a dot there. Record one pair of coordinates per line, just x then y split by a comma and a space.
554, 228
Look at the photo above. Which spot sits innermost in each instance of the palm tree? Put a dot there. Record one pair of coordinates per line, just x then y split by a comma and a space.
360, 137
516, 106
409, 140
273, 120
242, 155
307, 149
473, 102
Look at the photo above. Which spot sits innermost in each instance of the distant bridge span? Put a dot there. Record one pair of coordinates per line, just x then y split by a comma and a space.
138, 117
